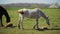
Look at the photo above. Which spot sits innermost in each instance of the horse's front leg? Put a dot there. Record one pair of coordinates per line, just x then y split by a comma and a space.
36, 25
21, 22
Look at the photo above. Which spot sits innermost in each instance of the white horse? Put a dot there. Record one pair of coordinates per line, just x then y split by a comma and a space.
34, 14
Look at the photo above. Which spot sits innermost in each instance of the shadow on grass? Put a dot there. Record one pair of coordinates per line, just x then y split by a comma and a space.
44, 29
35, 29
50, 29
53, 29
40, 29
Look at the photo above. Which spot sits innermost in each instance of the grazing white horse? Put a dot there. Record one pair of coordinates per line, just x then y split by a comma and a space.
31, 13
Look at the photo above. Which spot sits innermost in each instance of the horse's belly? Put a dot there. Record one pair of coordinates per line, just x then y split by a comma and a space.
32, 16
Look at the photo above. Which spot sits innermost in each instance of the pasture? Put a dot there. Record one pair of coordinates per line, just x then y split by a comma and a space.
54, 17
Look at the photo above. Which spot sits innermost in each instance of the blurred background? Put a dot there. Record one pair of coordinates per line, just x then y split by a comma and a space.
31, 3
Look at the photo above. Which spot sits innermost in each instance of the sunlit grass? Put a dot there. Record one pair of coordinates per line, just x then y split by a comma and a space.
53, 14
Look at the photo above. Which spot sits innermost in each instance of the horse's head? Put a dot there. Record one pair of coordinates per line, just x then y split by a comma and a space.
47, 21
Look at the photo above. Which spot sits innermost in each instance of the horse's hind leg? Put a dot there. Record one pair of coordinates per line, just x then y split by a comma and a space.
19, 24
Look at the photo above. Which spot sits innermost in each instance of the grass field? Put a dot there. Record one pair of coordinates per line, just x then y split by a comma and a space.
54, 17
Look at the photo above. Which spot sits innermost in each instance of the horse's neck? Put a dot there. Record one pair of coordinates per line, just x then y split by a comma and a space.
43, 15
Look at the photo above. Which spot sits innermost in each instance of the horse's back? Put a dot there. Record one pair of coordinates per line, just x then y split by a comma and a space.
32, 13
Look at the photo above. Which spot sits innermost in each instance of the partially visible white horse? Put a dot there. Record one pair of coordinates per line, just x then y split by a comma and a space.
34, 13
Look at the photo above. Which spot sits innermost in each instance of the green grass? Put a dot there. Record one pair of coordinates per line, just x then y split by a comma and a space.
53, 14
